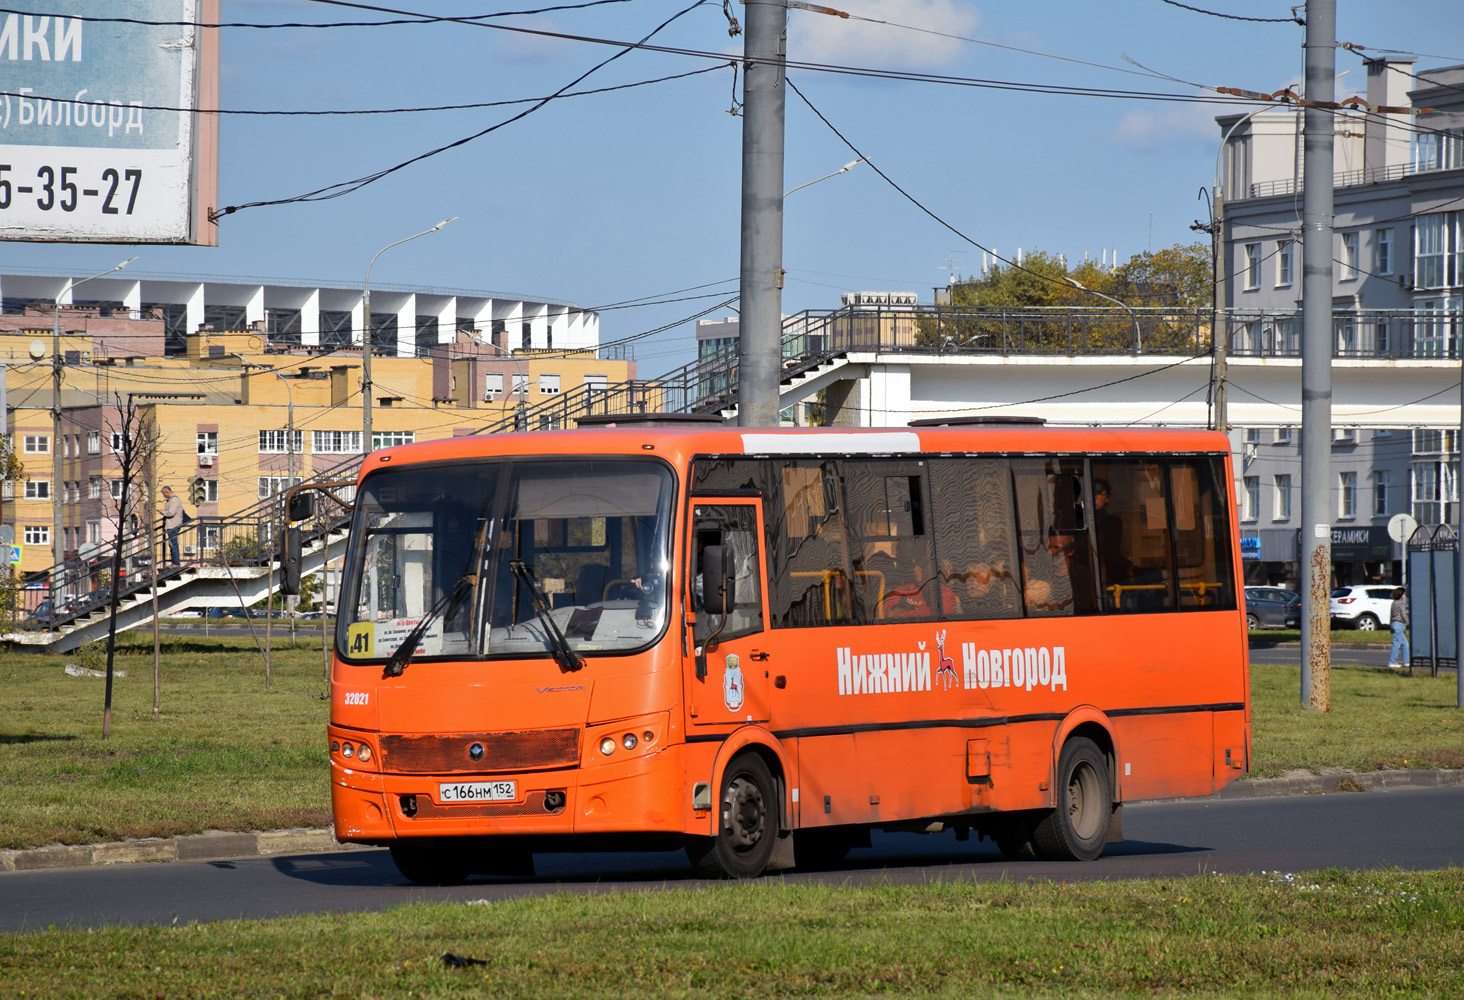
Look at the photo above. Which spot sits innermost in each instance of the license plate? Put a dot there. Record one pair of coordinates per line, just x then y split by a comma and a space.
477, 791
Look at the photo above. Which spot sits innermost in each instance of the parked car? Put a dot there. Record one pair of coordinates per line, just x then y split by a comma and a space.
1364, 607
43, 613
1272, 607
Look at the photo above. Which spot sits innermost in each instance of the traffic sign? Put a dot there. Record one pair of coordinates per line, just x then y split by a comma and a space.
16, 551
1401, 527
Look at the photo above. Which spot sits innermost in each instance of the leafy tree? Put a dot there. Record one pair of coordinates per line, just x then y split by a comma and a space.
1181, 275
11, 470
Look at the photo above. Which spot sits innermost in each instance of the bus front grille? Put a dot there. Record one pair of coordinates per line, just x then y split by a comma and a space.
481, 752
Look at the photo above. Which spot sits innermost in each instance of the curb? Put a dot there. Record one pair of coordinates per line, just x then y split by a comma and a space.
210, 846
218, 845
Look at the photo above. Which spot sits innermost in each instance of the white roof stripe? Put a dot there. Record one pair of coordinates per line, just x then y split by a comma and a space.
831, 443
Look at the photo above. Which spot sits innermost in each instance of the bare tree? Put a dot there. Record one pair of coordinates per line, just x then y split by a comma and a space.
137, 438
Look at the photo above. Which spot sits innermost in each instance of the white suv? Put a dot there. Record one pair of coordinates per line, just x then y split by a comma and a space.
1363, 607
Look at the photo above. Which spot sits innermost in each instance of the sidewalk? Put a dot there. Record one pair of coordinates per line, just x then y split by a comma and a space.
218, 845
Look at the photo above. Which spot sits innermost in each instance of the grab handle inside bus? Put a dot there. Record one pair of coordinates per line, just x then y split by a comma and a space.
718, 591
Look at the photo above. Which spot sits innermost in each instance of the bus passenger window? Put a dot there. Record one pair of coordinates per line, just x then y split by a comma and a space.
1057, 558
1131, 529
975, 538
809, 572
1202, 534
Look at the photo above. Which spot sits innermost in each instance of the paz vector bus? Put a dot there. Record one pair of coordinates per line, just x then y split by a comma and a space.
761, 644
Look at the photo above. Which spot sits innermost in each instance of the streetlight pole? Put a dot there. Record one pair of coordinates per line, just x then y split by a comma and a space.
58, 470
290, 430
1133, 316
366, 335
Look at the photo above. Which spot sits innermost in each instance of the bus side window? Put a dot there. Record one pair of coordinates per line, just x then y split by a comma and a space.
809, 561
1057, 559
1202, 534
1131, 531
890, 553
975, 538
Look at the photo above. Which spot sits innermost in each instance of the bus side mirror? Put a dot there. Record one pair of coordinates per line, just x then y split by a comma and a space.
293, 543
718, 592
302, 505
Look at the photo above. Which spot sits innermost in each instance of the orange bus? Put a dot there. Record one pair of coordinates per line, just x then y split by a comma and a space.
761, 644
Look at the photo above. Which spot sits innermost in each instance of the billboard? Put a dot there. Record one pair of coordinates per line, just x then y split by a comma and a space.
100, 136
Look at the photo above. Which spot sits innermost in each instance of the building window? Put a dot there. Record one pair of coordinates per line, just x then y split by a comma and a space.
1441, 149
96, 487
1284, 261
208, 442
1283, 435
390, 439
1349, 256
210, 491
549, 385
37, 444
94, 532
116, 489
37, 534
1344, 435
94, 442
1382, 262
1436, 250
274, 485
209, 534
1252, 265
335, 442
38, 489
1435, 490
1346, 494
1382, 480
279, 442
521, 384
1434, 442
116, 442
1252, 499
1252, 435
492, 385
1283, 497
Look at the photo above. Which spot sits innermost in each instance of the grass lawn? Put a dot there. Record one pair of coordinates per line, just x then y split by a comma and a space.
1357, 934
225, 752
228, 754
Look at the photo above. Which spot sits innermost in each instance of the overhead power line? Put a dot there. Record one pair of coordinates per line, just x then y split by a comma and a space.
397, 22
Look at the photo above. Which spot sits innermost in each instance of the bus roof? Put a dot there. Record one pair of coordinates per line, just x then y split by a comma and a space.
679, 444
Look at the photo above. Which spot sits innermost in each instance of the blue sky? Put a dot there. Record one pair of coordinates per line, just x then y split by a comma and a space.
635, 193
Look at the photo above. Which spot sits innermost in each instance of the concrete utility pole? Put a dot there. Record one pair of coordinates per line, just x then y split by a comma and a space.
760, 330
1316, 357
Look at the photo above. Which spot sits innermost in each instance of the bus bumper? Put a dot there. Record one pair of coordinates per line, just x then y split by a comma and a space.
641, 794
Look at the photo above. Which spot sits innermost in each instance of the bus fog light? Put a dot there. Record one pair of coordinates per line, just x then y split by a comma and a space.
347, 750
335, 746
629, 741
607, 746
648, 736
364, 754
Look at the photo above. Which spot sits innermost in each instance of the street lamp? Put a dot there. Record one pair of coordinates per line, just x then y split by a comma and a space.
58, 472
842, 170
290, 431
1138, 341
366, 335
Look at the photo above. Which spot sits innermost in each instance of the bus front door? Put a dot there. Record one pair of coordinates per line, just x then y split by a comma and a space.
731, 662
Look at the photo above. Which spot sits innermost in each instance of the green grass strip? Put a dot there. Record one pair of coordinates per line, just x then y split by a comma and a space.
1324, 935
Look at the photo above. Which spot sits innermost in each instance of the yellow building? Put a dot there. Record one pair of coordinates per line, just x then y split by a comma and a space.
236, 424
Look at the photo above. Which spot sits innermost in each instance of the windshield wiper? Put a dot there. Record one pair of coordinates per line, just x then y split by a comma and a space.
444, 608
558, 644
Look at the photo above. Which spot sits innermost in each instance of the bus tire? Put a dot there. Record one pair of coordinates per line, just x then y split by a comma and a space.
1078, 828
747, 825
1013, 836
431, 862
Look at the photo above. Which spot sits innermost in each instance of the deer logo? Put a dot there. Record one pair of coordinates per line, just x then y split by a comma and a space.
946, 672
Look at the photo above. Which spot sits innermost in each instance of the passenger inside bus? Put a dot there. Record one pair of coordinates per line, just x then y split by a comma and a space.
1063, 585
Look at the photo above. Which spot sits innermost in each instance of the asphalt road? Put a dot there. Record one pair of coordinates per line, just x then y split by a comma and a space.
1290, 655
1412, 828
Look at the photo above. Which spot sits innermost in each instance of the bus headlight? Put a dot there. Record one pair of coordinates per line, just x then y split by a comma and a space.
629, 741
607, 746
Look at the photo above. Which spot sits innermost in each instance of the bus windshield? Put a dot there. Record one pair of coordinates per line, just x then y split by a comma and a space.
440, 545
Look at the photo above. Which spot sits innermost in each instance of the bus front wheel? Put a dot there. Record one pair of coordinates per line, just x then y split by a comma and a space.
1078, 828
747, 825
431, 862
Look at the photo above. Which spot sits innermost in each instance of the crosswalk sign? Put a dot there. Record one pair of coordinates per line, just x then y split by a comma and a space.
16, 551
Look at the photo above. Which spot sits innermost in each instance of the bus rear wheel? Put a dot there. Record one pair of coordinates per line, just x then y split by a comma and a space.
747, 824
1078, 828
431, 862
